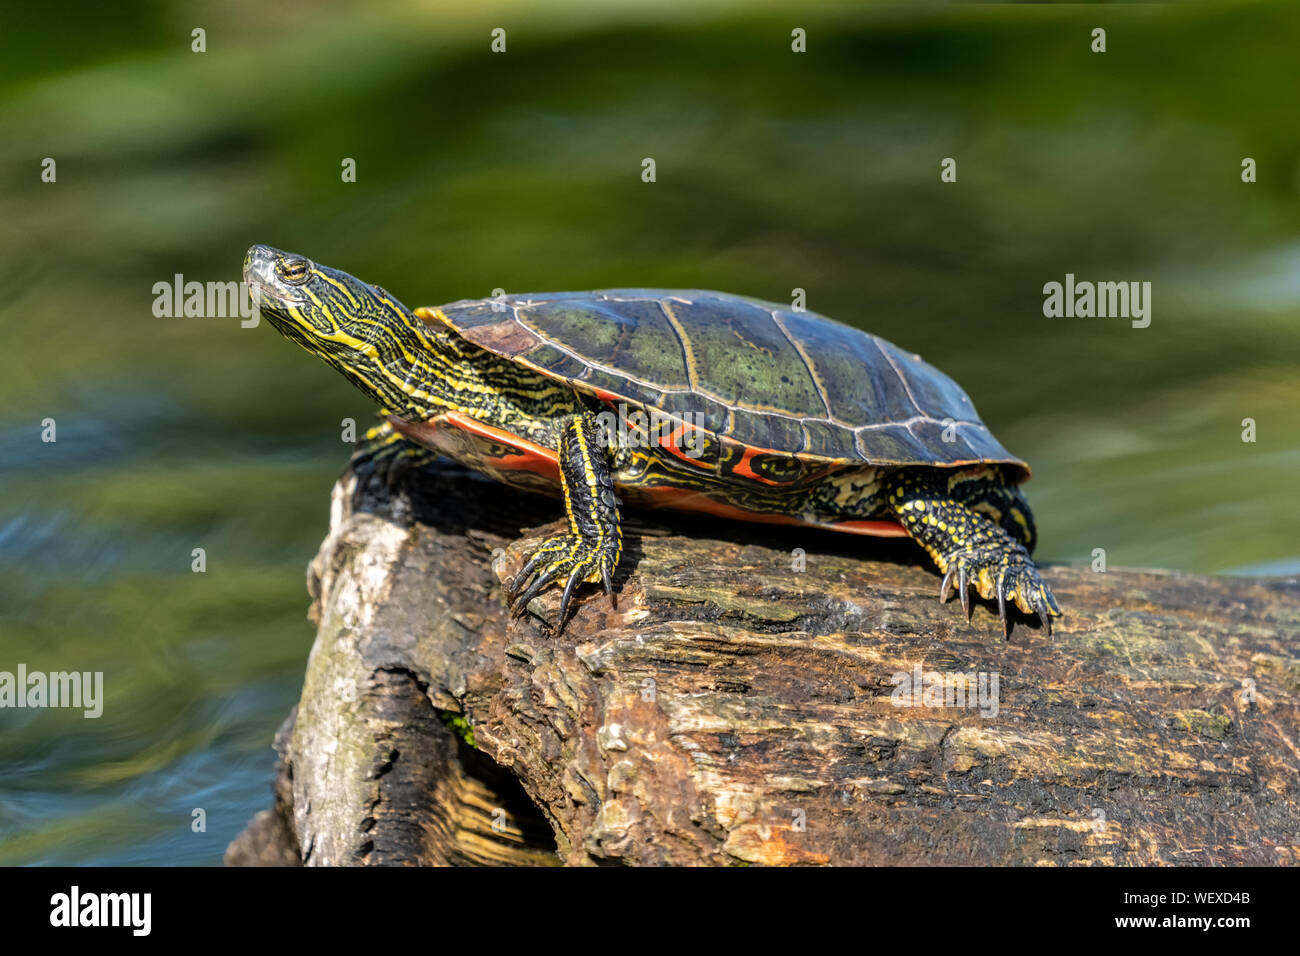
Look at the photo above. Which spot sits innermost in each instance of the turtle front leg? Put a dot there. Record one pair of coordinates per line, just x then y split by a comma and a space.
387, 453
591, 548
969, 545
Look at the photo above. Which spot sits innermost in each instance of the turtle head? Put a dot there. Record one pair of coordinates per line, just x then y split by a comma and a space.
357, 328
304, 299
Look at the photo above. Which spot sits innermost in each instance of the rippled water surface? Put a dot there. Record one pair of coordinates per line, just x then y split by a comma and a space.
522, 171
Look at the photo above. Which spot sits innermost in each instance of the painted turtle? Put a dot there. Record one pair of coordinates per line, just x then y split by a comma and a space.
683, 399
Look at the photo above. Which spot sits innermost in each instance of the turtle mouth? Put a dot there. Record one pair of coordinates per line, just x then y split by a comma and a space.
264, 283
273, 298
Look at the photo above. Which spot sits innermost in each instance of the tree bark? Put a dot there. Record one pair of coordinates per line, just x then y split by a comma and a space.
743, 704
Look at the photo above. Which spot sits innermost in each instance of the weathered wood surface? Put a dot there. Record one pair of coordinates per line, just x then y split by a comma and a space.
734, 710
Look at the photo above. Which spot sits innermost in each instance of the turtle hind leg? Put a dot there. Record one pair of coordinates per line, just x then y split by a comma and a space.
987, 492
969, 546
384, 452
590, 550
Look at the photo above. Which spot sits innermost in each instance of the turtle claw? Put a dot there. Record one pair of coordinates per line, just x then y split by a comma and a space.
945, 586
1007, 576
1002, 603
532, 580
608, 581
574, 578
573, 557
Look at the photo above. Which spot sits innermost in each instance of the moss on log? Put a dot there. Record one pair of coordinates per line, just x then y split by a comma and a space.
742, 704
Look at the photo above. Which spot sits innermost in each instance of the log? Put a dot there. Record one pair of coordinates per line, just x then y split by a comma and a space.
763, 695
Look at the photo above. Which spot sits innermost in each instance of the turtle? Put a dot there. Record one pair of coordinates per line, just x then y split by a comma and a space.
685, 399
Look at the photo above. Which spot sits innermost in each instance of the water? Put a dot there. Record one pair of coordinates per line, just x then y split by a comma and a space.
523, 171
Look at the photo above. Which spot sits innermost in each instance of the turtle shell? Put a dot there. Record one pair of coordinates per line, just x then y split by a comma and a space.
756, 372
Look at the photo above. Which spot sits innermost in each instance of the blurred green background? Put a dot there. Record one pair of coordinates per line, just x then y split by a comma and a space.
522, 171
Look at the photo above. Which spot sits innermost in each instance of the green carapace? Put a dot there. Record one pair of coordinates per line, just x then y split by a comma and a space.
654, 398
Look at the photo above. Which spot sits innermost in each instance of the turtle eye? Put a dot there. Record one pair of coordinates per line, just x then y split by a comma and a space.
294, 270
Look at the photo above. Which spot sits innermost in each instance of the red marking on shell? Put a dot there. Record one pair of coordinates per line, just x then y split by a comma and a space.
744, 469
529, 456
684, 499
532, 453
672, 443
543, 461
